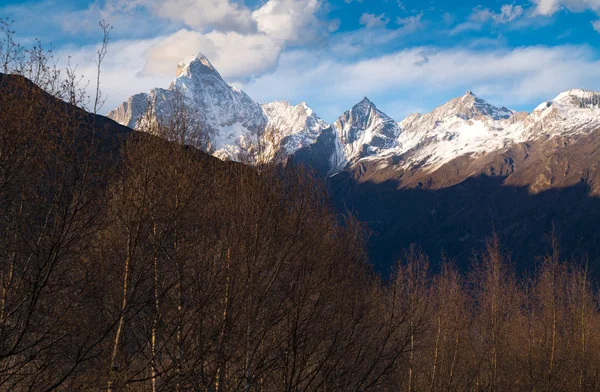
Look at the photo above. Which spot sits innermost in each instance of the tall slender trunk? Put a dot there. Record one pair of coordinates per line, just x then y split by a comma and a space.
179, 336
583, 350
412, 341
220, 378
113, 367
154, 340
6, 288
9, 279
179, 288
494, 334
454, 355
553, 343
435, 353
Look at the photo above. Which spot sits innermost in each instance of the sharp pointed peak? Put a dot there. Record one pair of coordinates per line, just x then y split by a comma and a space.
198, 64
470, 105
200, 57
470, 96
366, 101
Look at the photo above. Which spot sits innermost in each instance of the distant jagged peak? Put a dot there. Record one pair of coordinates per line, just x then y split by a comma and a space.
577, 93
364, 111
575, 98
579, 98
468, 106
365, 131
365, 102
365, 106
197, 66
469, 93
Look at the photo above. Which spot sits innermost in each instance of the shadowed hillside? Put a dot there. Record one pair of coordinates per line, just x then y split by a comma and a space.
456, 220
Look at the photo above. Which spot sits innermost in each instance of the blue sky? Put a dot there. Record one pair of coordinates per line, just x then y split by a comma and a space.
405, 55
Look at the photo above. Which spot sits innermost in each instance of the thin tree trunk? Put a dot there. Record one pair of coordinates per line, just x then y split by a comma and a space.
412, 343
11, 268
454, 355
553, 344
113, 367
154, 341
221, 365
583, 351
435, 354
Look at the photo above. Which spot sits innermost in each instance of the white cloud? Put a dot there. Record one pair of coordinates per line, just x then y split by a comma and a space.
508, 13
371, 21
119, 13
291, 20
236, 56
596, 25
546, 7
202, 15
411, 24
521, 76
240, 56
550, 7
480, 16
222, 15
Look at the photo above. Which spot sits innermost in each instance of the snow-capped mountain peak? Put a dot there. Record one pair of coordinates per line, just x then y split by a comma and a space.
365, 104
470, 106
579, 98
200, 64
471, 126
365, 130
230, 125
290, 128
226, 120
463, 125
576, 92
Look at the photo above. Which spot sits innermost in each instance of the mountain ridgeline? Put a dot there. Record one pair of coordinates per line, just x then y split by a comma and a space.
446, 179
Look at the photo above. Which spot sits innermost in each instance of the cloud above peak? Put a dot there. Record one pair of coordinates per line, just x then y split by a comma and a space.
291, 21
203, 15
246, 53
550, 7
236, 56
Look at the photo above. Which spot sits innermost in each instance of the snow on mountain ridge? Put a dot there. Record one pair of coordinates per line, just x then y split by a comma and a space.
290, 128
576, 92
365, 130
231, 120
237, 127
470, 126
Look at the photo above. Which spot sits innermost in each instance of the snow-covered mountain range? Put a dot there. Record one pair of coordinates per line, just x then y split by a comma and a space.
236, 127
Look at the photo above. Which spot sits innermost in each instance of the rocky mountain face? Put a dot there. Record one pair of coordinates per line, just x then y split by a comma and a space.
289, 128
445, 179
226, 116
365, 131
227, 122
